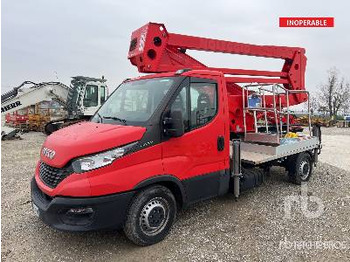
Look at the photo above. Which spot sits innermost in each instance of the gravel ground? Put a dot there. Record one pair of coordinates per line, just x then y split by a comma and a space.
336, 145
255, 228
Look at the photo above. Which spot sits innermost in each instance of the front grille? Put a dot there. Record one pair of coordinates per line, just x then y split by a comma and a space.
52, 176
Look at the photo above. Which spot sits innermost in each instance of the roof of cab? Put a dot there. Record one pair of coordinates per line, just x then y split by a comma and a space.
185, 73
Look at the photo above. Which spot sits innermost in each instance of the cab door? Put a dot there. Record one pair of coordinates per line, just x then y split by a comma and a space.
199, 157
91, 99
102, 95
95, 95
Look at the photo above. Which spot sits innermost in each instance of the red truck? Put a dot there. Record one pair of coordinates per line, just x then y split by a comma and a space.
164, 141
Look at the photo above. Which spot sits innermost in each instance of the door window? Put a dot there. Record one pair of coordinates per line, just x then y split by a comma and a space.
180, 104
202, 104
91, 96
103, 95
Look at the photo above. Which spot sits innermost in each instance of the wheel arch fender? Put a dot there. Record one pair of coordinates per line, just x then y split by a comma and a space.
171, 182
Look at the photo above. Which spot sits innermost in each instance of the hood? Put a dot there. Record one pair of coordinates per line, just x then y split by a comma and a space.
86, 138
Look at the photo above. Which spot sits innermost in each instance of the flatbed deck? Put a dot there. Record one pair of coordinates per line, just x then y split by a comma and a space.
256, 154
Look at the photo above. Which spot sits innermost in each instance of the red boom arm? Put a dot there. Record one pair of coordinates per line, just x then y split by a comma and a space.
154, 50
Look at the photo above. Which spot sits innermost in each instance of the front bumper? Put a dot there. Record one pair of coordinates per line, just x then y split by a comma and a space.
106, 212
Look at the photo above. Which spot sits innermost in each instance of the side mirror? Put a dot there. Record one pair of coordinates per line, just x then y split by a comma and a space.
174, 125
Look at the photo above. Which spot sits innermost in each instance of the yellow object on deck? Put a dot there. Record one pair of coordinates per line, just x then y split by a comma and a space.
291, 135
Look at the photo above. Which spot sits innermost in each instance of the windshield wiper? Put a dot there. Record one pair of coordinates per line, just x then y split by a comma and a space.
115, 118
100, 117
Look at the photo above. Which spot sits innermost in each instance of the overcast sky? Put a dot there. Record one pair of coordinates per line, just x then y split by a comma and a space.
48, 40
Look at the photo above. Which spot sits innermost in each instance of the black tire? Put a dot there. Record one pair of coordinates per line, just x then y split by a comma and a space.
300, 168
50, 128
150, 216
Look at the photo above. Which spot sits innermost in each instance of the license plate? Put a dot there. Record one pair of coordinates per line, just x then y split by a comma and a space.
36, 210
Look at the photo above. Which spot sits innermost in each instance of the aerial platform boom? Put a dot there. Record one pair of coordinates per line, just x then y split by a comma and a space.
153, 50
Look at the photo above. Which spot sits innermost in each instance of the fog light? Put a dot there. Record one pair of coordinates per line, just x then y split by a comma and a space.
78, 216
80, 211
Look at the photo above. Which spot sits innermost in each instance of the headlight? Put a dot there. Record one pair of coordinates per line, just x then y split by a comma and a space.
88, 163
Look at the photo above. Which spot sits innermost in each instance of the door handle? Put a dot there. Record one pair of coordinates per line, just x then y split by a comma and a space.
221, 143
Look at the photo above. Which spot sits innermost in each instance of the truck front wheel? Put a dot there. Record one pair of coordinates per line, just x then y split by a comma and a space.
300, 168
150, 215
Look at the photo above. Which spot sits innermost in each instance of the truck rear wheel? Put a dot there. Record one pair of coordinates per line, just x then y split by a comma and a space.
150, 216
300, 168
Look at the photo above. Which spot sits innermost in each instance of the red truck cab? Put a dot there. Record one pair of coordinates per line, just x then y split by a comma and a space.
170, 142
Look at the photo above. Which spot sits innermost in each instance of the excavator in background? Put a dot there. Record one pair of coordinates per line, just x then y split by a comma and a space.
80, 100
85, 96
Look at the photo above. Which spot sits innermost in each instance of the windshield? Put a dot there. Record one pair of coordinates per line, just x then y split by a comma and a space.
134, 101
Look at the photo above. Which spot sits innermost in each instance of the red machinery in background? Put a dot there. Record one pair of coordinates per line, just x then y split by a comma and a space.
154, 50
16, 119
